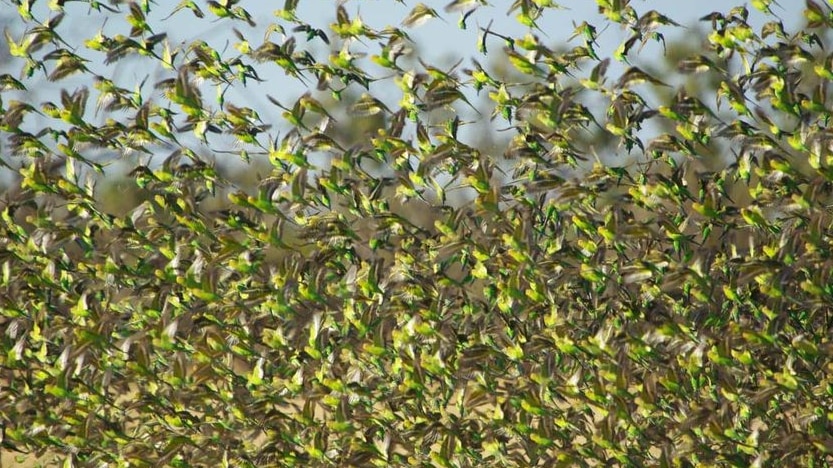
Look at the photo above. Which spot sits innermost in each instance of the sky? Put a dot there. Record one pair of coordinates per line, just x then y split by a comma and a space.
438, 42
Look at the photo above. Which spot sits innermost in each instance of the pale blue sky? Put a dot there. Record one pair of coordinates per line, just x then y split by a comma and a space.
438, 41
441, 41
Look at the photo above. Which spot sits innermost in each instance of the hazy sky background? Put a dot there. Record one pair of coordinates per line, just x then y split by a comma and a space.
438, 42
